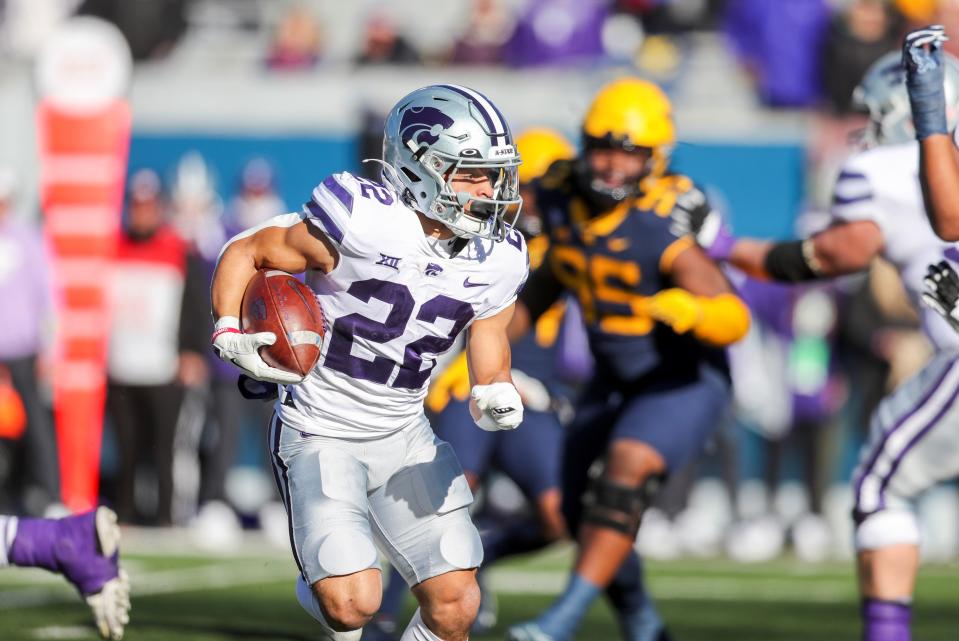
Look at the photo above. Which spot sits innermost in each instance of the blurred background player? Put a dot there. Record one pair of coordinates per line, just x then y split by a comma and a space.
656, 311
33, 482
157, 342
85, 549
878, 211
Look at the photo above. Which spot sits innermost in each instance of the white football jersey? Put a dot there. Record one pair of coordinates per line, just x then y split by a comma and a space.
882, 185
394, 302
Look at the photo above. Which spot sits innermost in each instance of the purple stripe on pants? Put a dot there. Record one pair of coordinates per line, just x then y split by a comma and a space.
915, 439
281, 476
867, 469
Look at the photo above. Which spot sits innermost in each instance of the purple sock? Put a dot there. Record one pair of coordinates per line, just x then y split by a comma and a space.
67, 546
885, 620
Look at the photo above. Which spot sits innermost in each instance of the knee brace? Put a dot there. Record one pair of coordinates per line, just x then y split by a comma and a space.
309, 602
886, 527
617, 506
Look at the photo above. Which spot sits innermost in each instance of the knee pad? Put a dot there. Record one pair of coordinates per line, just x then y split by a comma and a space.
343, 552
460, 545
887, 527
616, 506
309, 602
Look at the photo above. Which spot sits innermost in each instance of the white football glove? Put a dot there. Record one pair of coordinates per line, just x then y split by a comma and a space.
233, 346
941, 292
500, 407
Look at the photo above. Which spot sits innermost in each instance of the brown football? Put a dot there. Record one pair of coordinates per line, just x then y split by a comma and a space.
276, 302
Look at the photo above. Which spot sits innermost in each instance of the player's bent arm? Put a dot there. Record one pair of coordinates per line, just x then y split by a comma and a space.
939, 176
703, 301
291, 249
844, 248
495, 404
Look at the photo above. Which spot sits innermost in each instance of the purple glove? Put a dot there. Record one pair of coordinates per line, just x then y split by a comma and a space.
719, 243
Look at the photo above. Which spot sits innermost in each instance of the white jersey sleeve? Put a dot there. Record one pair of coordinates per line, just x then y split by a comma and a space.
331, 206
857, 196
510, 277
882, 185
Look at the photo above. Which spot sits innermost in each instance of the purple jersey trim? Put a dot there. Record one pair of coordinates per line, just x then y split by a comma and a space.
342, 193
326, 221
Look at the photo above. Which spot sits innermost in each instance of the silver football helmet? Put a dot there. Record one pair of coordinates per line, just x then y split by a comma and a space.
437, 130
883, 93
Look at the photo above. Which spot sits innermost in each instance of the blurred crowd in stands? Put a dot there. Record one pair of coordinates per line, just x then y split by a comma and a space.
183, 446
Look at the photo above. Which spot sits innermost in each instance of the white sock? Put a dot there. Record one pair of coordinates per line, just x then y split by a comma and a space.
8, 532
417, 630
304, 594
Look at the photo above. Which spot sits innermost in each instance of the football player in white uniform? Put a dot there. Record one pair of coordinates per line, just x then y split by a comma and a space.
401, 269
878, 210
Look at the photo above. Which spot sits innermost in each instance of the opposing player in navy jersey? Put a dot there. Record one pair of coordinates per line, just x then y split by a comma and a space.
401, 269
657, 310
877, 210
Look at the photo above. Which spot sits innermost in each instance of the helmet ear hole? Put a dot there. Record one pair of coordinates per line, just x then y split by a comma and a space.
409, 174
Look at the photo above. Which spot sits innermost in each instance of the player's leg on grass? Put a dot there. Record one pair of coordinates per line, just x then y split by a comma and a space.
474, 450
659, 429
84, 548
584, 442
448, 605
913, 444
605, 538
421, 520
323, 483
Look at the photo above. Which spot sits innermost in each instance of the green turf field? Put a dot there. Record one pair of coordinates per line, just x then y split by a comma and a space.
189, 597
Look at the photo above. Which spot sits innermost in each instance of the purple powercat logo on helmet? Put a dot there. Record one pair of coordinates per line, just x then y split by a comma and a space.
423, 125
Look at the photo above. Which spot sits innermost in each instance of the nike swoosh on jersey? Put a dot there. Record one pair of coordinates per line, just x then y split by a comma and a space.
467, 283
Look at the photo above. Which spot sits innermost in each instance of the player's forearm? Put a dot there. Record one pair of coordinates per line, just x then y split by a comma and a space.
749, 255
487, 349
489, 360
939, 175
233, 272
